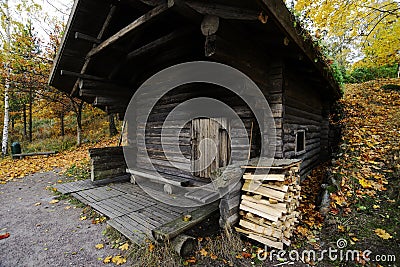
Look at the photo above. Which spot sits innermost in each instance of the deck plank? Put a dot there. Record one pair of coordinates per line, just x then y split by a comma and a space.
131, 210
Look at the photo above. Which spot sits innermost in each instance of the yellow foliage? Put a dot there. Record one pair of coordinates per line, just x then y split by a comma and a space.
371, 25
382, 233
11, 169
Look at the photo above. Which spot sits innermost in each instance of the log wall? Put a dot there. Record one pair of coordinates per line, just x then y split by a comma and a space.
304, 109
150, 143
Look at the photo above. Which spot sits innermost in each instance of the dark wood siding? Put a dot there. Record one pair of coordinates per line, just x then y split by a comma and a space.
303, 110
164, 106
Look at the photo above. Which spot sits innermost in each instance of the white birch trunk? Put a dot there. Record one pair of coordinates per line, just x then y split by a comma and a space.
4, 143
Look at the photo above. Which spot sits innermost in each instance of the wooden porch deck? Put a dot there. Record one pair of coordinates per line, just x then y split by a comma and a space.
131, 211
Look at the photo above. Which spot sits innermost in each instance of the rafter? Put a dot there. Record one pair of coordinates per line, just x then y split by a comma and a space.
130, 28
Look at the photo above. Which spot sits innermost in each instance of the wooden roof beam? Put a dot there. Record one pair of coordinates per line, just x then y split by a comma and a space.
152, 46
82, 76
130, 28
156, 44
223, 11
99, 37
85, 37
101, 85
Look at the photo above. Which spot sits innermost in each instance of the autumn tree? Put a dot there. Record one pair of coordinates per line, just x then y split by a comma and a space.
371, 27
62, 102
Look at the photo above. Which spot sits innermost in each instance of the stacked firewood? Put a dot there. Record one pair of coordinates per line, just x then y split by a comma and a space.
268, 205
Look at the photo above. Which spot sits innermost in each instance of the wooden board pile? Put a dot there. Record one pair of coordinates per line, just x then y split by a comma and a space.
268, 204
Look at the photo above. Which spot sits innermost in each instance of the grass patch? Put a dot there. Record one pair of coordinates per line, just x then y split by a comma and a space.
80, 171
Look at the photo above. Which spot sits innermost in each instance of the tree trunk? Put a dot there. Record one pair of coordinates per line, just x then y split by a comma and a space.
79, 123
24, 121
4, 143
111, 123
30, 115
398, 70
62, 128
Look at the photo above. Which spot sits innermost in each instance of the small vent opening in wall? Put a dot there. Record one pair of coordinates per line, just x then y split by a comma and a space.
300, 142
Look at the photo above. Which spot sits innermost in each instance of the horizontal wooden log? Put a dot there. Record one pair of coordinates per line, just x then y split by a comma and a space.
269, 231
23, 155
264, 191
106, 151
83, 76
295, 111
163, 179
100, 85
223, 11
282, 207
108, 165
109, 101
99, 175
267, 216
264, 177
178, 226
289, 118
263, 208
105, 93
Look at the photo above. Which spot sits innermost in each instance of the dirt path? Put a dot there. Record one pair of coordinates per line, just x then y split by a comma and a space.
45, 234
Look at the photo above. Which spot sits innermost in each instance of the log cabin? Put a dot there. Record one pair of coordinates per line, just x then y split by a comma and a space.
112, 47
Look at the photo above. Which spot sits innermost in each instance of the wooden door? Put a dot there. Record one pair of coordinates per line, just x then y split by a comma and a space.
210, 145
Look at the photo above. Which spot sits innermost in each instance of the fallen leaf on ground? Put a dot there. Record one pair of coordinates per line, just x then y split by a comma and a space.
382, 233
83, 218
191, 260
54, 201
124, 247
213, 256
118, 260
246, 255
203, 252
6, 235
107, 259
38, 204
151, 247
99, 246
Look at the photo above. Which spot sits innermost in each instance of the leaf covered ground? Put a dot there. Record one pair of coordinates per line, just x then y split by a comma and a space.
365, 207
364, 197
76, 157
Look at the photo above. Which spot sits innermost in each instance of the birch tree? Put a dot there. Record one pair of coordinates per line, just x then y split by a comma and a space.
6, 21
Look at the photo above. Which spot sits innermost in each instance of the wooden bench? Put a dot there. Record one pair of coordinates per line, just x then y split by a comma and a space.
23, 155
